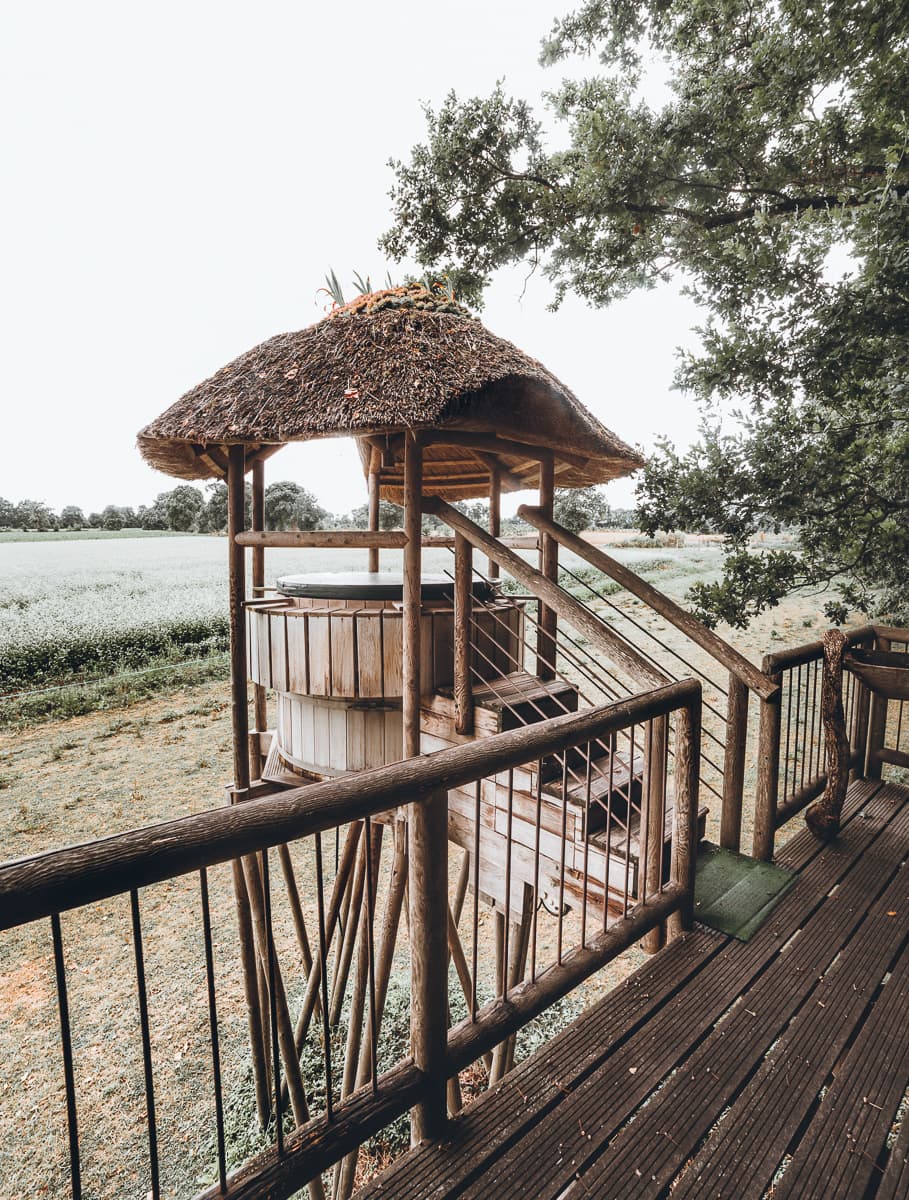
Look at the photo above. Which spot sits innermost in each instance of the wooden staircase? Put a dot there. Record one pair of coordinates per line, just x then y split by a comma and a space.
562, 811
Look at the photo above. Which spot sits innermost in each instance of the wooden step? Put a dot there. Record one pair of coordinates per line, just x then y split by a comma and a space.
520, 699
609, 786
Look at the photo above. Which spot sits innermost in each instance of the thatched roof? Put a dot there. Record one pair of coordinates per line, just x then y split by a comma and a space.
390, 362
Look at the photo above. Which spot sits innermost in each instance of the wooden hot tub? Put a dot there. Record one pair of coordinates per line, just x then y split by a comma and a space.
330, 646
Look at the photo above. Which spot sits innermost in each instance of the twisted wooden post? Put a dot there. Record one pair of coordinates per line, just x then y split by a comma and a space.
823, 817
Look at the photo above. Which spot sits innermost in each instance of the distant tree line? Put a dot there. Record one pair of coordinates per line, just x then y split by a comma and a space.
189, 509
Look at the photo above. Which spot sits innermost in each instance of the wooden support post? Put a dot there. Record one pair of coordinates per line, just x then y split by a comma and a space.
428, 843
655, 774
412, 594
495, 514
258, 585
768, 776
684, 843
734, 764
877, 725
254, 976
463, 613
237, 584
373, 520
549, 567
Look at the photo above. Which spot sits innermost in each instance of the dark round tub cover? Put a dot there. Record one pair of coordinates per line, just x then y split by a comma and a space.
370, 585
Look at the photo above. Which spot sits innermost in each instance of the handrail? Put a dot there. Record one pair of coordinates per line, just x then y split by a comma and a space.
715, 646
797, 656
774, 758
36, 887
363, 539
550, 594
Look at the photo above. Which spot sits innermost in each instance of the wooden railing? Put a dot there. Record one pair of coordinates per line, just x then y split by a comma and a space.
172, 876
792, 761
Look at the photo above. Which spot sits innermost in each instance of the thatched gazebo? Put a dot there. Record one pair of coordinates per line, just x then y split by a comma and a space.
442, 410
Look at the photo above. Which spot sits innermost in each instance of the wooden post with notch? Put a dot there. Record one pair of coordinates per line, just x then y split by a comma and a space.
428, 845
734, 764
657, 750
549, 567
768, 775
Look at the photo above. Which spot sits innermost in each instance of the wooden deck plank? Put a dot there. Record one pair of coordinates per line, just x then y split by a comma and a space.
681, 1116
895, 1183
553, 1127
479, 1134
598, 1108
756, 1132
848, 1132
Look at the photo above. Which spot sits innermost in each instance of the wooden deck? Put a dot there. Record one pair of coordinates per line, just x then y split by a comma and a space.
775, 1067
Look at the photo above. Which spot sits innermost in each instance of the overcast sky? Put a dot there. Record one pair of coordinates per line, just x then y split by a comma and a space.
178, 179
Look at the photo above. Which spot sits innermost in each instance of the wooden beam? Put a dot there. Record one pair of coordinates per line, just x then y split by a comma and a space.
731, 659
615, 647
386, 539
495, 445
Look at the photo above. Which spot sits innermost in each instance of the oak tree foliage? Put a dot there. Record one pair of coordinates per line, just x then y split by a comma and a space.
774, 181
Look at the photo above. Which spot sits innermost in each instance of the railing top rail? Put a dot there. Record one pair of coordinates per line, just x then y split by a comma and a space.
797, 656
715, 646
892, 633
554, 597
36, 887
326, 539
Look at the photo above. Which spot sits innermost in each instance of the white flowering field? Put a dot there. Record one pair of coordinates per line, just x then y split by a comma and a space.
69, 609
90, 607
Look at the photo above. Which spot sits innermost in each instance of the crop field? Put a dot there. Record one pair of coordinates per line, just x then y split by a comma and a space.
92, 611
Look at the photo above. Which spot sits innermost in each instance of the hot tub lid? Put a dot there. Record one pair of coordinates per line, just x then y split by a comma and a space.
370, 585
